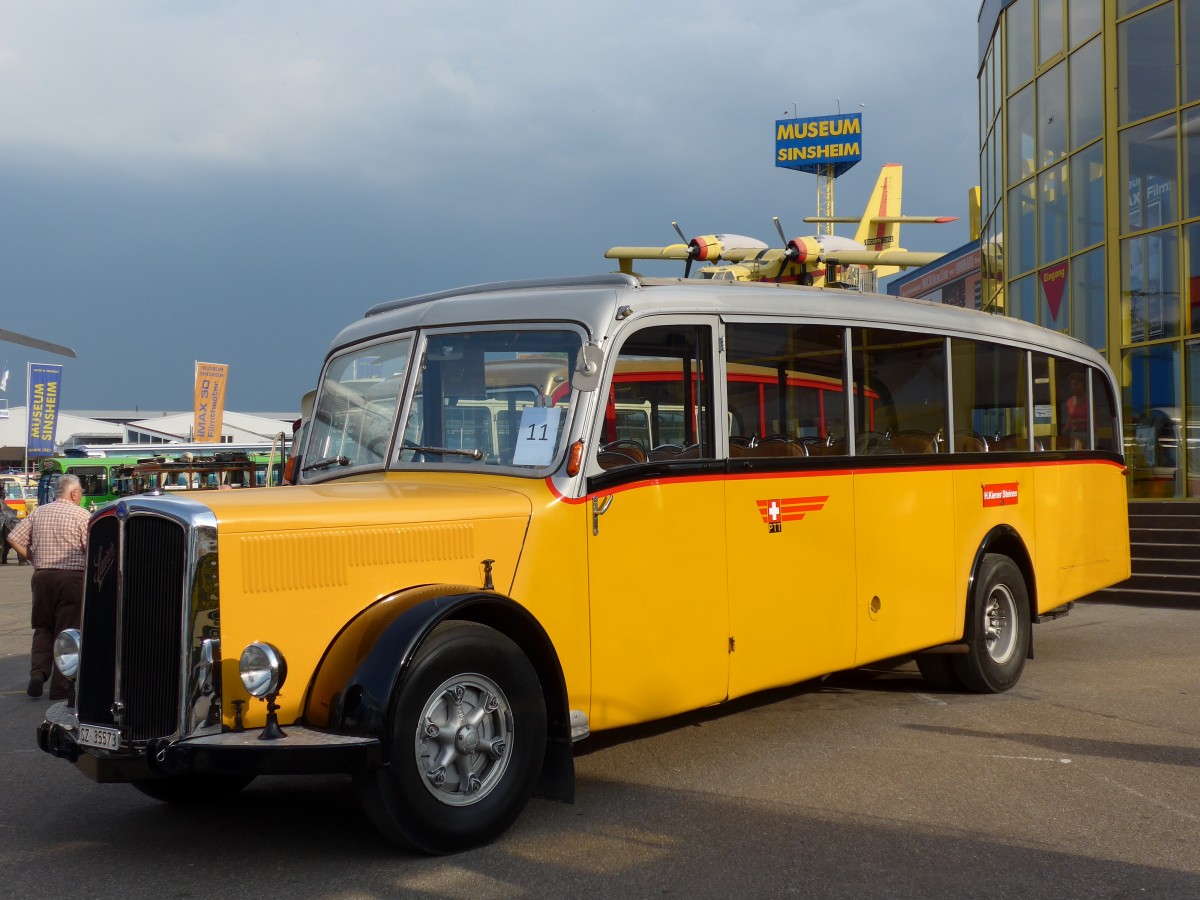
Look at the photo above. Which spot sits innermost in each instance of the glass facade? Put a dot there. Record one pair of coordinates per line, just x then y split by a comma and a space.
1083, 22
1192, 285
1191, 161
1087, 197
1146, 63
1087, 98
1192, 420
1189, 25
992, 173
1151, 397
1149, 161
1090, 190
1150, 286
1090, 304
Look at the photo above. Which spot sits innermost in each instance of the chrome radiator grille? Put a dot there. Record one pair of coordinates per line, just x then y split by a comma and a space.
134, 603
97, 660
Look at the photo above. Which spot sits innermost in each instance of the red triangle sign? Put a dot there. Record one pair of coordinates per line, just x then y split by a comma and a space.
1054, 281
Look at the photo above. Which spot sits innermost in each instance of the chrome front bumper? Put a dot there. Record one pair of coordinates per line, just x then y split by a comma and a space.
303, 751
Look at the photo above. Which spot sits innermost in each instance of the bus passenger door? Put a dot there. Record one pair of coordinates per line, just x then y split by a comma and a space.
656, 542
791, 576
903, 493
789, 504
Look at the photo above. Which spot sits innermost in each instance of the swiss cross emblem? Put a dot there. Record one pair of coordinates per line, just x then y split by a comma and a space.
774, 514
790, 509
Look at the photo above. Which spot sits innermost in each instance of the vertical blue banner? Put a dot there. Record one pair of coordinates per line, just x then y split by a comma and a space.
44, 381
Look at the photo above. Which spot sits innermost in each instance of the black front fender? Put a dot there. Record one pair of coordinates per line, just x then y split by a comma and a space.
358, 678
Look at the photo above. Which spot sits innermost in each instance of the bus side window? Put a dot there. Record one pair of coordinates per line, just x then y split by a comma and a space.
1045, 404
1104, 415
1074, 424
906, 371
659, 405
784, 386
990, 402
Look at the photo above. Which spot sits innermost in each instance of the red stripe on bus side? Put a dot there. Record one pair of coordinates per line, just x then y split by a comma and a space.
758, 476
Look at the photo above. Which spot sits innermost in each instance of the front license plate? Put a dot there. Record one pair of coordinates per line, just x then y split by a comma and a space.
100, 737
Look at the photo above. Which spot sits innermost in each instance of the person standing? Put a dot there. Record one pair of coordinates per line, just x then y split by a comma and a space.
54, 538
8, 521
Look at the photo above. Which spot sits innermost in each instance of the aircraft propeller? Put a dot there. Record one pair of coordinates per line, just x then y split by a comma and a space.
707, 247
790, 250
692, 250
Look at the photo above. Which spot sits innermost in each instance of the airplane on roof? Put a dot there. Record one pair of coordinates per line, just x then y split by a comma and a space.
822, 260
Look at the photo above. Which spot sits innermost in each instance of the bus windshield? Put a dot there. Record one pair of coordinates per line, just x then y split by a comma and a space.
493, 398
356, 405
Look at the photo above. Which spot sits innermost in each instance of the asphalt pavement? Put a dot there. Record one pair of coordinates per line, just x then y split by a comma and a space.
1083, 781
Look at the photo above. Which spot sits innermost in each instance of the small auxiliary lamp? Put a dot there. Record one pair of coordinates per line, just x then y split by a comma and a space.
263, 670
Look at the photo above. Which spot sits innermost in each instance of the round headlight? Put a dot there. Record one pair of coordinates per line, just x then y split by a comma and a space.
66, 651
263, 669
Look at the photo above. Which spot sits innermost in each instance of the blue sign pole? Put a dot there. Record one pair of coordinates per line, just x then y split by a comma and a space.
41, 410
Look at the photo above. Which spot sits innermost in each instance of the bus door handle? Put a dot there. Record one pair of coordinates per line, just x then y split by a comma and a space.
599, 508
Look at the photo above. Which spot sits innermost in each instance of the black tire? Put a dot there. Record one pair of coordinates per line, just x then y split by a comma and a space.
938, 671
490, 754
998, 625
188, 790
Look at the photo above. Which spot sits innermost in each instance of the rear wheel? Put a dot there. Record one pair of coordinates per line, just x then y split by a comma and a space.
998, 626
185, 790
467, 737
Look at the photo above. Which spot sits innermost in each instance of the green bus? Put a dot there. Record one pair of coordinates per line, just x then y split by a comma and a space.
105, 470
95, 474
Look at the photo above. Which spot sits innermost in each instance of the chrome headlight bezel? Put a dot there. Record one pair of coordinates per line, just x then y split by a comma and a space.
67, 647
263, 669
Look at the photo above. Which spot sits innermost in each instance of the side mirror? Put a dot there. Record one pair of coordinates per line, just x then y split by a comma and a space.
586, 376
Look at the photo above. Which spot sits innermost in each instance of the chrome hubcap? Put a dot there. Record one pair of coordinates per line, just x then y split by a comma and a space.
463, 739
999, 621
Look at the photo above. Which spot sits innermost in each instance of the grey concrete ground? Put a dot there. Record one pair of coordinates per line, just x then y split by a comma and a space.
1084, 781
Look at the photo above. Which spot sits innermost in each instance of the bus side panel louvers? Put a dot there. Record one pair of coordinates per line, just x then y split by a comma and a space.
155, 556
97, 661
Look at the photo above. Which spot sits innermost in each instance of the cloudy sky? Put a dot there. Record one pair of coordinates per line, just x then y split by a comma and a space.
234, 182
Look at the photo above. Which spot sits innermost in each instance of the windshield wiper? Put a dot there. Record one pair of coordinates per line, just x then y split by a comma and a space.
475, 454
327, 462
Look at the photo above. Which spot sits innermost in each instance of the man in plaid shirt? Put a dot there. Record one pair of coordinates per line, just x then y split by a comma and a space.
54, 538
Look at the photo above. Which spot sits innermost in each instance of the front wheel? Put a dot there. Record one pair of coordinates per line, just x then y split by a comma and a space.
467, 738
998, 627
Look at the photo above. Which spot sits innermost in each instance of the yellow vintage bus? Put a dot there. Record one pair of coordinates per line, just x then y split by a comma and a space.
18, 494
530, 511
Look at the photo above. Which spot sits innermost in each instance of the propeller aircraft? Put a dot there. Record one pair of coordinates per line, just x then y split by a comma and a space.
819, 260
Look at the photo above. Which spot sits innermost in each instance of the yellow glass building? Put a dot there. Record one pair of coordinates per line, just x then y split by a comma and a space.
1089, 162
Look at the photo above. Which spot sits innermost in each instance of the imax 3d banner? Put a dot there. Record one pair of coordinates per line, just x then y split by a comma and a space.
210, 401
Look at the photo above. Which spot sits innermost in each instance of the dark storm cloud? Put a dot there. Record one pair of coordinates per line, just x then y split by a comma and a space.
235, 183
